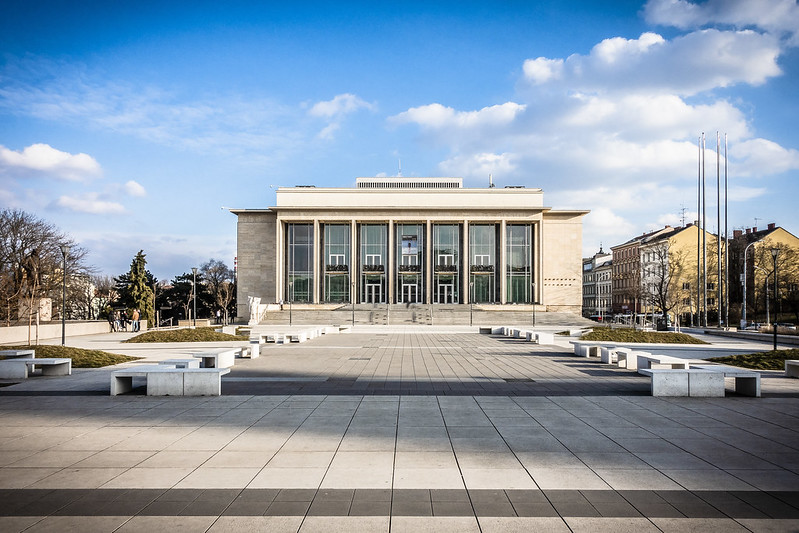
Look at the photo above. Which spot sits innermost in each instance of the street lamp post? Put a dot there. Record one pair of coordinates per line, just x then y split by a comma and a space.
352, 297
291, 297
64, 252
533, 300
765, 292
471, 303
194, 290
774, 253
743, 280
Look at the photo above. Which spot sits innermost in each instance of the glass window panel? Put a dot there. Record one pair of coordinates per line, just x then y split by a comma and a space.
374, 252
409, 274
519, 263
336, 261
447, 263
299, 258
482, 262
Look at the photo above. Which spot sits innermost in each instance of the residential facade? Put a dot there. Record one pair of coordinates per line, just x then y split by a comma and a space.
597, 285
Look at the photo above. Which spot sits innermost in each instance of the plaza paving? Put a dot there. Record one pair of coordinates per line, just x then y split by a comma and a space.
397, 429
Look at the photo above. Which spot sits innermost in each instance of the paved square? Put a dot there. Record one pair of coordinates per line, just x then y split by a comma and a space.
390, 429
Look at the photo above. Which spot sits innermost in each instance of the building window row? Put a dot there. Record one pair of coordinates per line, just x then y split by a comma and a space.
480, 262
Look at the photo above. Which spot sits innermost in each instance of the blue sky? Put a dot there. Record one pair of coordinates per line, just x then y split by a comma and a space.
130, 125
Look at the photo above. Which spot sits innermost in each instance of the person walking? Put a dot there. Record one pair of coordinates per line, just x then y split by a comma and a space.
135, 320
123, 319
117, 318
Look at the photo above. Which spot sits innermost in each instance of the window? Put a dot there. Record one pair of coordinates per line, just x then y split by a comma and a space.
299, 286
686, 286
711, 286
337, 252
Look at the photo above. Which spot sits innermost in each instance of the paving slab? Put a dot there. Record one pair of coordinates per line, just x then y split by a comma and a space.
407, 429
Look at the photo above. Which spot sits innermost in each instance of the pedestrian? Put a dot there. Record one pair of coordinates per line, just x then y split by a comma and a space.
111, 321
135, 320
218, 316
117, 318
123, 319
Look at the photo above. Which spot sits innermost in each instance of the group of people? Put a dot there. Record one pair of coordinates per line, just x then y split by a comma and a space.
119, 320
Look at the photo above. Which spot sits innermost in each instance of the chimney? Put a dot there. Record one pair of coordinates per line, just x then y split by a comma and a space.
771, 226
736, 233
754, 230
748, 231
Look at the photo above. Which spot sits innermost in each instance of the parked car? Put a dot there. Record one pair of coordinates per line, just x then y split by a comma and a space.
786, 325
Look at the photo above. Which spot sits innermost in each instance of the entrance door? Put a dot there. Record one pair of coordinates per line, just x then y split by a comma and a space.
410, 293
445, 293
374, 293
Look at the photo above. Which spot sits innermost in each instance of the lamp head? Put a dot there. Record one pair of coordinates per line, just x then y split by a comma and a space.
194, 270
64, 249
775, 252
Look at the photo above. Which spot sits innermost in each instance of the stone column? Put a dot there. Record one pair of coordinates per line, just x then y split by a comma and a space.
429, 263
503, 262
354, 261
465, 260
390, 266
317, 270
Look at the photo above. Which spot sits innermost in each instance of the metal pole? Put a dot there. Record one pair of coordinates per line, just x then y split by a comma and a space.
698, 234
726, 246
194, 290
471, 302
718, 230
352, 298
64, 251
291, 297
704, 236
533, 299
774, 253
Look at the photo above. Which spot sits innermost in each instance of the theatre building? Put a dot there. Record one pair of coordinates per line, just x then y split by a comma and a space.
409, 241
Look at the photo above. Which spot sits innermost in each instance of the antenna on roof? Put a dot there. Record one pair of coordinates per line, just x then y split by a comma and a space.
399, 170
682, 214
756, 219
490, 181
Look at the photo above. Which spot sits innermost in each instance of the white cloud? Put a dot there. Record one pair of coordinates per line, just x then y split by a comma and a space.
335, 111
541, 69
686, 65
133, 188
437, 116
91, 203
761, 157
775, 16
44, 160
478, 166
341, 104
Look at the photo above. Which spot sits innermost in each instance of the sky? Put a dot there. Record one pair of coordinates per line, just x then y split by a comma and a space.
137, 125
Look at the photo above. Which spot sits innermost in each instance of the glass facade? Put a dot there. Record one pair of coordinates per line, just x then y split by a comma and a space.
446, 263
410, 259
336, 262
519, 256
299, 262
373, 259
483, 261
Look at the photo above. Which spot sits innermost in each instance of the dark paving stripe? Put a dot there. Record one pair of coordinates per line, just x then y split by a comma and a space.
417, 502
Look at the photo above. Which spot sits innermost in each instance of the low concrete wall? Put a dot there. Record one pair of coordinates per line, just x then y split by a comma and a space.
753, 336
52, 330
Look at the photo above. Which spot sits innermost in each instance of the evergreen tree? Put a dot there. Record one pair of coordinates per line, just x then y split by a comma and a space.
138, 294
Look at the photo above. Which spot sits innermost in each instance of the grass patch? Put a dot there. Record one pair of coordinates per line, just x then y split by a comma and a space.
185, 335
80, 358
635, 335
772, 360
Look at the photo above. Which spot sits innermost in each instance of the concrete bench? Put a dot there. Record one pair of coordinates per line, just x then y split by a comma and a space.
540, 337
685, 382
628, 358
165, 380
586, 349
18, 353
218, 358
792, 368
181, 363
648, 360
747, 382
21, 367
301, 336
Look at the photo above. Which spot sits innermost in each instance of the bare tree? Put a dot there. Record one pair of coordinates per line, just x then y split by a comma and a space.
218, 281
31, 262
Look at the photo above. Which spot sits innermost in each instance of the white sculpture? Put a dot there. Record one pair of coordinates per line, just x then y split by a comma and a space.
254, 304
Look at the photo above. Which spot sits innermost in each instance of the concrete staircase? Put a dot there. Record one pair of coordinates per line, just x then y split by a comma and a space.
421, 314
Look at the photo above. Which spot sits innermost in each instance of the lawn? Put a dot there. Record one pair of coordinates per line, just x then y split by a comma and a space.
80, 358
185, 335
635, 335
772, 360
